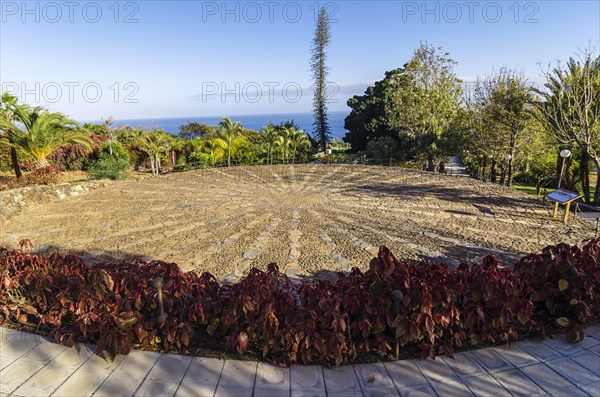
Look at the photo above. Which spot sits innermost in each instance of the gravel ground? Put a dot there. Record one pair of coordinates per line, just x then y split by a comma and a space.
310, 219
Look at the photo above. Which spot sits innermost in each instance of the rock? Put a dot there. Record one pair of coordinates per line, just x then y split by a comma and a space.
263, 239
372, 250
293, 272
230, 279
340, 260
252, 254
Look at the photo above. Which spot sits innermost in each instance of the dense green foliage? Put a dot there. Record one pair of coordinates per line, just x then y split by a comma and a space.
194, 129
110, 168
427, 103
200, 160
417, 116
41, 132
417, 106
503, 128
367, 120
570, 108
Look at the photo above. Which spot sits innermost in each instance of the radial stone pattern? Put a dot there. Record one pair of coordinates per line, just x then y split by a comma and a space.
309, 219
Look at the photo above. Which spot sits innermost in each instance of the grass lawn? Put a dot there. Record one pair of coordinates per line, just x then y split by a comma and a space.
529, 188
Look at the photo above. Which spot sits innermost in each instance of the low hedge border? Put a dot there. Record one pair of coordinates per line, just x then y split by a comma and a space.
427, 305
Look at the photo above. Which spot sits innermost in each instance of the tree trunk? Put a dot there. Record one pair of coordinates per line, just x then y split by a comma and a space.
152, 164
584, 175
430, 163
559, 164
43, 163
597, 192
15, 162
483, 169
493, 172
596, 161
510, 171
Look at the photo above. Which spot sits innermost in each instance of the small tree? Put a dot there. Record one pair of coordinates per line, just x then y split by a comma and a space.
6, 128
298, 140
229, 132
194, 129
284, 142
426, 101
570, 106
269, 137
43, 132
155, 144
106, 125
508, 109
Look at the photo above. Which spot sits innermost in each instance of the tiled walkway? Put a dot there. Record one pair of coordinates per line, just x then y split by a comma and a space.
33, 366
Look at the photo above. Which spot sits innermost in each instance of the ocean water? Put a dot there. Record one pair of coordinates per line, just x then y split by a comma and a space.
254, 122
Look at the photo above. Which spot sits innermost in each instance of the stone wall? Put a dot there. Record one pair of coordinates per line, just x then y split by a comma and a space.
12, 202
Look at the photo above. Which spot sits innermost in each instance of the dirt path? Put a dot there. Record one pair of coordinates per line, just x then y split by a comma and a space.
307, 218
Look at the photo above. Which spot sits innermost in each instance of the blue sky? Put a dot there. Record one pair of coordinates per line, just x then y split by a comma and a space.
153, 59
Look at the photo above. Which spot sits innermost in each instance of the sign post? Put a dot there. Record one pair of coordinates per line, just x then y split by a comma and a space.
562, 196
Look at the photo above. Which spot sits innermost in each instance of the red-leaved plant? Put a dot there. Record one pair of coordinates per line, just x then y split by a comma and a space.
115, 305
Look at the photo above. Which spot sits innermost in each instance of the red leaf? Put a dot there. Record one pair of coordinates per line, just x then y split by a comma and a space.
138, 303
242, 342
185, 337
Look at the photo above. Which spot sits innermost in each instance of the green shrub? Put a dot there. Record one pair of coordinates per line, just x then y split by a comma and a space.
118, 151
383, 148
199, 159
525, 177
110, 168
181, 160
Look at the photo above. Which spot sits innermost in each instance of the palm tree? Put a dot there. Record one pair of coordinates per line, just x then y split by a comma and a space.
43, 132
215, 148
229, 130
6, 126
284, 141
155, 144
270, 138
298, 139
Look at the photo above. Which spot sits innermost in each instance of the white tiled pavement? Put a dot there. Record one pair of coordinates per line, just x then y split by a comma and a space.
34, 366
